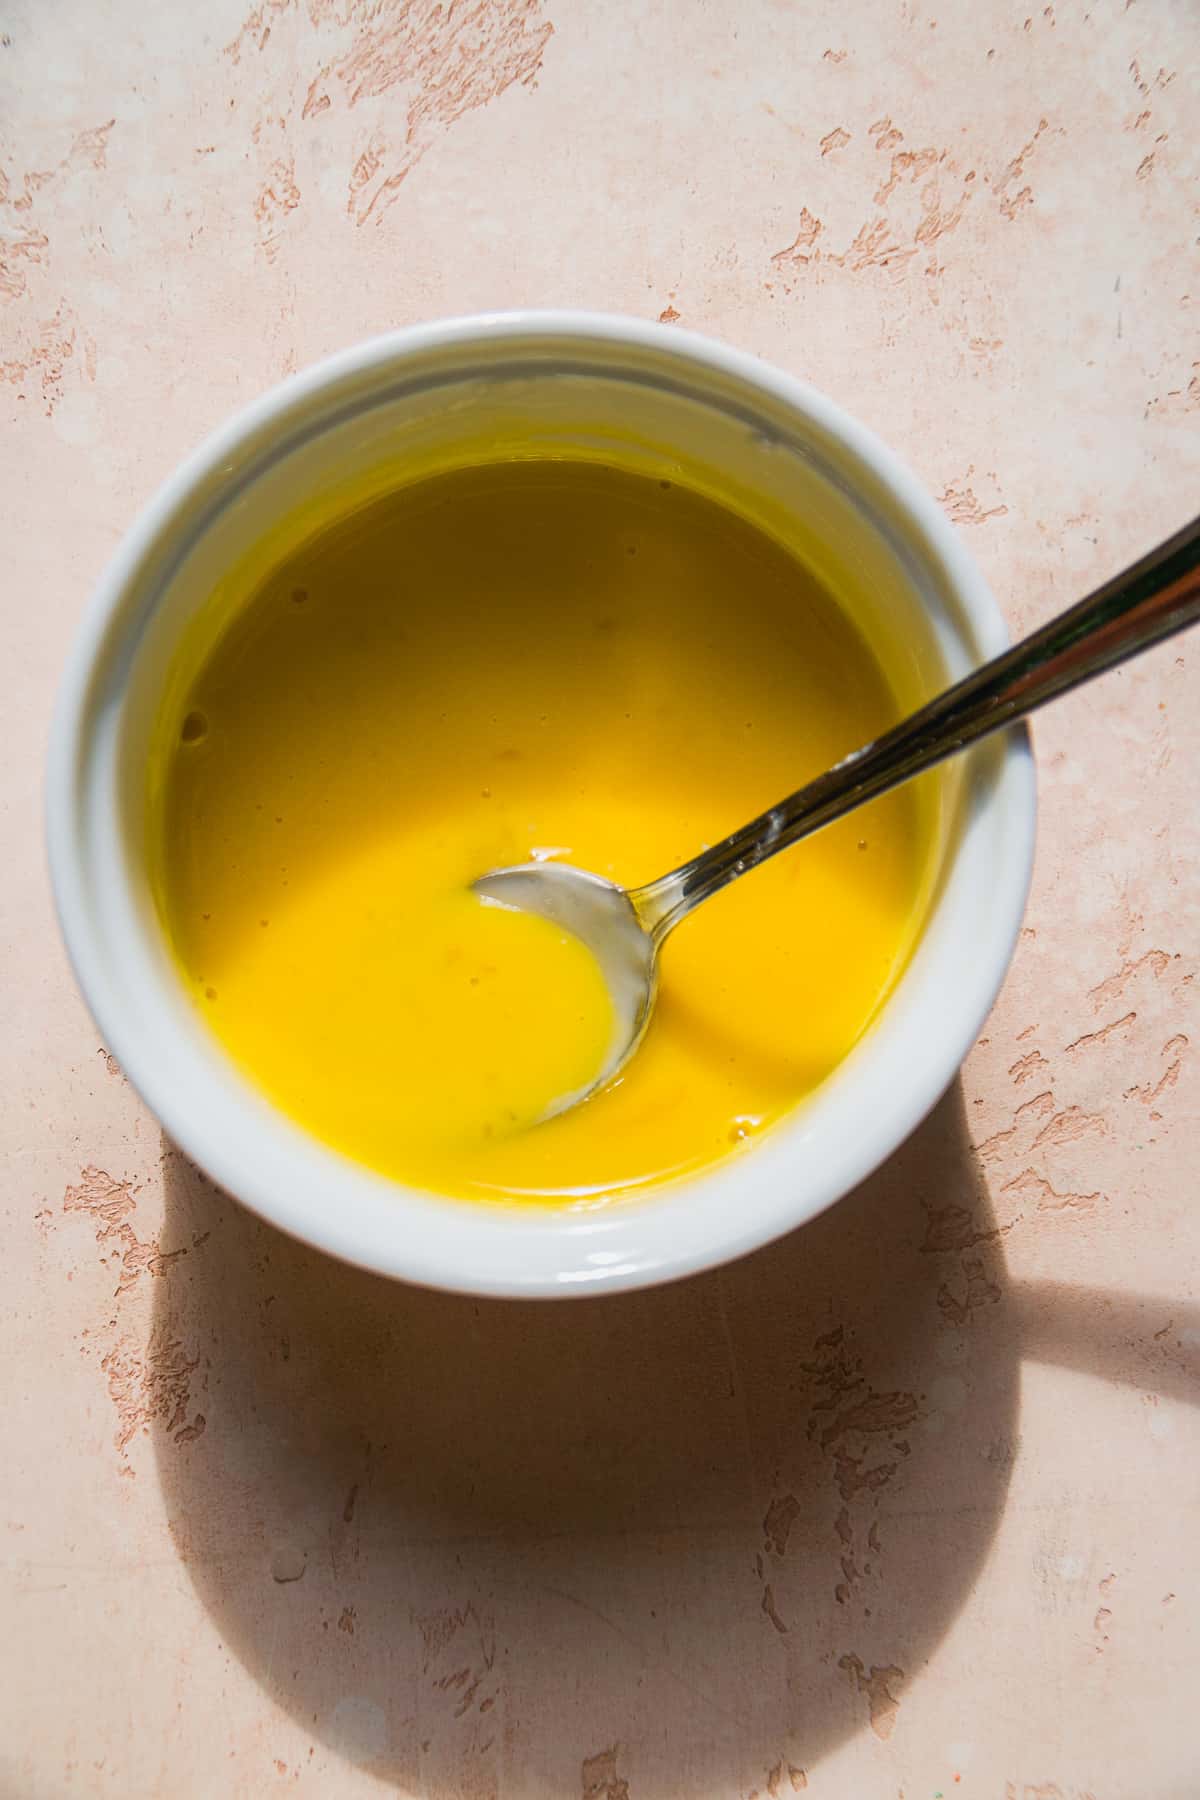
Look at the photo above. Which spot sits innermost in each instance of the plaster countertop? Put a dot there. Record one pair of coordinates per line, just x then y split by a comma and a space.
904, 1506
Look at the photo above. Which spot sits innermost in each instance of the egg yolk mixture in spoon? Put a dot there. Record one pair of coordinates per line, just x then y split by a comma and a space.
525, 661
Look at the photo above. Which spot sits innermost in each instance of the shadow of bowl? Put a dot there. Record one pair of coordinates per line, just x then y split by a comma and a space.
459, 1538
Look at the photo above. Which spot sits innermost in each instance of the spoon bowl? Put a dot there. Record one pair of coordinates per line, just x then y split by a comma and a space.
605, 918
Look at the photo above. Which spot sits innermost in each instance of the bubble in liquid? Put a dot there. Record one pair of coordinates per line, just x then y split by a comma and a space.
194, 729
743, 1128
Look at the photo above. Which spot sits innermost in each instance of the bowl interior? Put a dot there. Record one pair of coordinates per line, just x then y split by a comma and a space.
420, 404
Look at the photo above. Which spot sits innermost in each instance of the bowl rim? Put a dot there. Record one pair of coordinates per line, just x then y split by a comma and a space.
692, 1223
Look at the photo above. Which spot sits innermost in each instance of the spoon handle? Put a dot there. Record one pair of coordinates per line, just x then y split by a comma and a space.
1150, 601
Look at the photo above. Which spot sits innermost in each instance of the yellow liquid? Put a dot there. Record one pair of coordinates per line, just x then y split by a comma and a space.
525, 660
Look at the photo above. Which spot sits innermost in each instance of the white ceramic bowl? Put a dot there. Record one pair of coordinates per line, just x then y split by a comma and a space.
557, 383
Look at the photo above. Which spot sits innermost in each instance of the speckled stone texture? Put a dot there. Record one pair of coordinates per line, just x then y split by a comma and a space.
904, 1506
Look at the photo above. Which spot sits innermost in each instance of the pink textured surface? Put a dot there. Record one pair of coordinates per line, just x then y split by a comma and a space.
905, 1505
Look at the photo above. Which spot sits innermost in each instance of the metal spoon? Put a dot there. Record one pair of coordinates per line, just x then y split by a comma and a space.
625, 928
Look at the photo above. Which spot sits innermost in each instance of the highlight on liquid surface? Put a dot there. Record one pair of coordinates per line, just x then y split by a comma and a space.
526, 660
